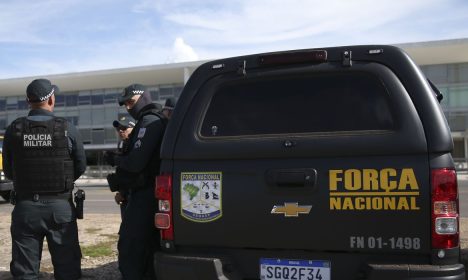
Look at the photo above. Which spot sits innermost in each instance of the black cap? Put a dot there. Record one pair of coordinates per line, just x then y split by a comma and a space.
170, 103
40, 90
130, 91
124, 122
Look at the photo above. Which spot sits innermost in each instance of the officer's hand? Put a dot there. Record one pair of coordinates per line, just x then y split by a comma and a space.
119, 198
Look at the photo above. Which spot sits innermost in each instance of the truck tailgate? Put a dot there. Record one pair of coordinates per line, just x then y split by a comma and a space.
348, 204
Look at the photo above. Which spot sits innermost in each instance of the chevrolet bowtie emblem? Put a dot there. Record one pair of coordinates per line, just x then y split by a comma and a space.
291, 209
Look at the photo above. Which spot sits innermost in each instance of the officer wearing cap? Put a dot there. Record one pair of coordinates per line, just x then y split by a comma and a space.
43, 155
169, 107
124, 127
136, 172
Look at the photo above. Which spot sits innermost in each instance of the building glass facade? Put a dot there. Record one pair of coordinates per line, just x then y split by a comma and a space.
93, 112
452, 81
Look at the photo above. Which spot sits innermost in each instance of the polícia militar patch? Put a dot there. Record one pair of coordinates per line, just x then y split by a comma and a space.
201, 194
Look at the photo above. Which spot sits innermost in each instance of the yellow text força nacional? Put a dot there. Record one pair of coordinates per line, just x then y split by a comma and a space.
372, 189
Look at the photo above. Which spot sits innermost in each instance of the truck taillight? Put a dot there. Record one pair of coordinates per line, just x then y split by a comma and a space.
445, 233
163, 218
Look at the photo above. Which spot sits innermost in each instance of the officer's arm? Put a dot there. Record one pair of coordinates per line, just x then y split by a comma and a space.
77, 151
145, 144
7, 168
131, 165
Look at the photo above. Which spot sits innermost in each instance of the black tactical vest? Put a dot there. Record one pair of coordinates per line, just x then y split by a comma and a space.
41, 158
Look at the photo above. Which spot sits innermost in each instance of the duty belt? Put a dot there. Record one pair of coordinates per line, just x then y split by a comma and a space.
37, 197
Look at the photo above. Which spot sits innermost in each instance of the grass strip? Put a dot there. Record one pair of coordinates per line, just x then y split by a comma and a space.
98, 250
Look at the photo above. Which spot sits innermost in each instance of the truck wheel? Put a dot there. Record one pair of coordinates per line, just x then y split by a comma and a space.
6, 196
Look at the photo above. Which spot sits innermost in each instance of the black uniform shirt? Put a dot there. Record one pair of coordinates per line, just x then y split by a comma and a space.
75, 145
144, 144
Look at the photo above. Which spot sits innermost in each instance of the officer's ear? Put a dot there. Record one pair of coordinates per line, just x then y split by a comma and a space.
51, 100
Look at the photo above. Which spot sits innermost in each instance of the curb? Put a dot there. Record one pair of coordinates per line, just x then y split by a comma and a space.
103, 182
90, 181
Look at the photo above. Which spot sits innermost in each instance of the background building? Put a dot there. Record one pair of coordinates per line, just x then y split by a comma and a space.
89, 99
445, 63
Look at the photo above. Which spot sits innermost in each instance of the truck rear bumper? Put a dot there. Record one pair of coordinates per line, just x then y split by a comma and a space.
179, 267
416, 272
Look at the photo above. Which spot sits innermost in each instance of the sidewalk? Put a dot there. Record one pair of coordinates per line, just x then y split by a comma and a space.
462, 175
91, 182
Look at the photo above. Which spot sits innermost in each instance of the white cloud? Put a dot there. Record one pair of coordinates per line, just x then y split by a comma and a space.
182, 52
24, 21
96, 57
272, 21
143, 6
60, 36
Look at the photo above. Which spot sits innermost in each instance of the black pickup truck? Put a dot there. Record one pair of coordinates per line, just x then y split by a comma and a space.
313, 164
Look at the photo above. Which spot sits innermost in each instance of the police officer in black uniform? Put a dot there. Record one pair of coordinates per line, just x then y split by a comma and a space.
124, 127
136, 172
43, 155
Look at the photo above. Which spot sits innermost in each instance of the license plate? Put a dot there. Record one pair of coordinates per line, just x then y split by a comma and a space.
282, 269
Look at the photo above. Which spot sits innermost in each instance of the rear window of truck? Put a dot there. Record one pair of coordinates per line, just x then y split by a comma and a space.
309, 103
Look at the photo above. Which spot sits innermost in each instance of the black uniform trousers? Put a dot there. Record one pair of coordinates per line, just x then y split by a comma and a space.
53, 219
138, 236
123, 207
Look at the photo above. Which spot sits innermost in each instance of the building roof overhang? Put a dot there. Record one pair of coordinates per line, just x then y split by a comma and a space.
164, 74
438, 52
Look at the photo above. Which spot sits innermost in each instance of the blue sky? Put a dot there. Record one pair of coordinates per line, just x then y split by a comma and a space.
43, 37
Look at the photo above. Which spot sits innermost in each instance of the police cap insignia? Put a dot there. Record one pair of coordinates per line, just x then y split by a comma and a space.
40, 90
130, 91
124, 122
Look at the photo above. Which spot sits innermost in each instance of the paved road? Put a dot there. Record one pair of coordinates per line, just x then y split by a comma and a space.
99, 200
